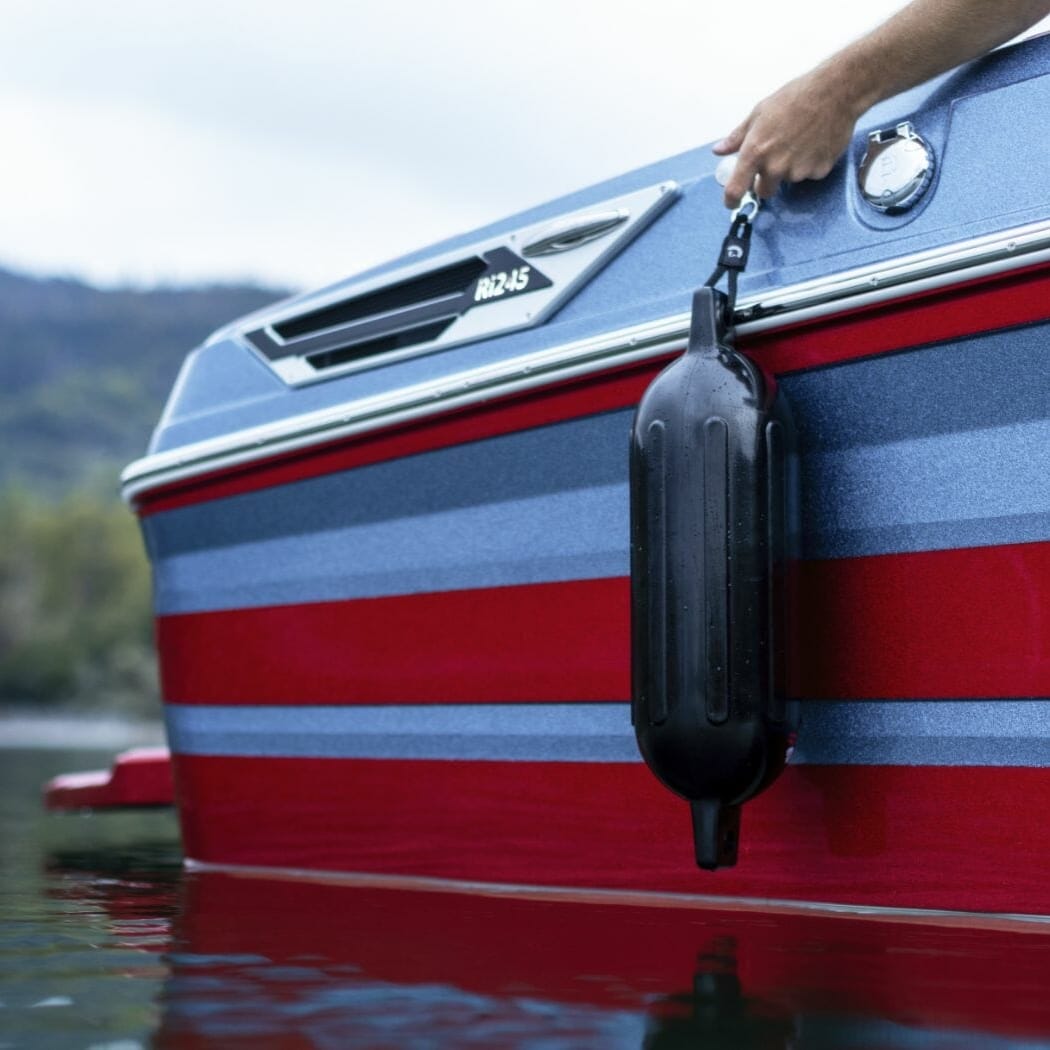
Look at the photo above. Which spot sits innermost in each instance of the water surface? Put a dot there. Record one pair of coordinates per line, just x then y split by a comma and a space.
74, 970
106, 943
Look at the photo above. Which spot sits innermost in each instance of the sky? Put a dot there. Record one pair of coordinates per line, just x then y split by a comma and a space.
193, 141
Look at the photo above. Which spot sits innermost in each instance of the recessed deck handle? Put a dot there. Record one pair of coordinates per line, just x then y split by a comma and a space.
579, 232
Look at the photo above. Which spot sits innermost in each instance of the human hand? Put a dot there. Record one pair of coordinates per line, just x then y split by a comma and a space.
796, 133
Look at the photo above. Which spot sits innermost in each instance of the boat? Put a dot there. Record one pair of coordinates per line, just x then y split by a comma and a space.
389, 529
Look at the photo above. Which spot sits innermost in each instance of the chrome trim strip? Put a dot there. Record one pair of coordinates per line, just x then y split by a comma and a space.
1029, 923
937, 268
993, 253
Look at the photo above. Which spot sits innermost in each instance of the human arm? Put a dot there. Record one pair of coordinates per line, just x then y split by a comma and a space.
800, 130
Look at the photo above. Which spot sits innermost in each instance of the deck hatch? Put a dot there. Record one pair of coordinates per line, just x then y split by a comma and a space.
484, 290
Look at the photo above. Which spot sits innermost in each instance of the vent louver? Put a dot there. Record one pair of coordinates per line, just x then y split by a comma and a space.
423, 333
437, 284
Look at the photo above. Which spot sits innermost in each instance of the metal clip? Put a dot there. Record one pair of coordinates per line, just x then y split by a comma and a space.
749, 200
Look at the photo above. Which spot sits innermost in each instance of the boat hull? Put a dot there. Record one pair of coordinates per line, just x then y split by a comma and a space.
408, 653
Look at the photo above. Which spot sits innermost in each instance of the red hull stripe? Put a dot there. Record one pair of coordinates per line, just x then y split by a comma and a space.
904, 836
950, 623
1022, 297
561, 641
1019, 298
943, 624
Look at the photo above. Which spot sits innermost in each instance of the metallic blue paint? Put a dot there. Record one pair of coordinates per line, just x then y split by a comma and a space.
925, 450
577, 534
915, 732
986, 123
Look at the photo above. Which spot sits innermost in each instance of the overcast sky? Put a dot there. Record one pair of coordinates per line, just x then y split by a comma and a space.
299, 142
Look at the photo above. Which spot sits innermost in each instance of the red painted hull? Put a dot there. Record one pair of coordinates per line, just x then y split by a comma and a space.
908, 837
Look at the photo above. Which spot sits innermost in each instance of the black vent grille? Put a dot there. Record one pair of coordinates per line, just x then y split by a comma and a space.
412, 312
436, 284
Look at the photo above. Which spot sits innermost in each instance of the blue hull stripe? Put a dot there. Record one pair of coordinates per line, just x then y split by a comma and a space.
577, 454
939, 448
990, 380
929, 732
567, 536
985, 488
957, 490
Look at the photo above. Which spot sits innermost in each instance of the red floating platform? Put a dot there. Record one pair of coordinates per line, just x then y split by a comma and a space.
139, 777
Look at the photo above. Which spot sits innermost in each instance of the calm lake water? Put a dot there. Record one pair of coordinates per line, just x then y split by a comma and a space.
107, 943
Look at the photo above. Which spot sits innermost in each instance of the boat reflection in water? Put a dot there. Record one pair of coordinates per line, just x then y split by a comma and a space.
255, 960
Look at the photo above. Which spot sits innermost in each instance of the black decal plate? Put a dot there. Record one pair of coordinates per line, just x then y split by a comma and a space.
506, 276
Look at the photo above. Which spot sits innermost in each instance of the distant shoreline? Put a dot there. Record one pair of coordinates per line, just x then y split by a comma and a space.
77, 732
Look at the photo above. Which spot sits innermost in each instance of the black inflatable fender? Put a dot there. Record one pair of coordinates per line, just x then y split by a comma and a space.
714, 484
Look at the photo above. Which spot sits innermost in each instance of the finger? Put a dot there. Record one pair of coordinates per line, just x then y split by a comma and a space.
731, 143
742, 180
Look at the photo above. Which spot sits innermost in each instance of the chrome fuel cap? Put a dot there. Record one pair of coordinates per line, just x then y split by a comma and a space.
896, 169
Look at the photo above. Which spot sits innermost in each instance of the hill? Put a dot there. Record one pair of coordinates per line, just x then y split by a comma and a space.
84, 371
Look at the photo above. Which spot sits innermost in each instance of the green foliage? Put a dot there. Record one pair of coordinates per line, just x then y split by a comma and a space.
75, 617
83, 377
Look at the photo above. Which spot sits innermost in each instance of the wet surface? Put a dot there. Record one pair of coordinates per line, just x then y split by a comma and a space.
107, 943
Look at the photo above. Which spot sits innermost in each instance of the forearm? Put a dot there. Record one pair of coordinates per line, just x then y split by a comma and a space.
921, 41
